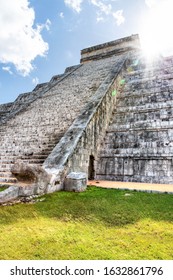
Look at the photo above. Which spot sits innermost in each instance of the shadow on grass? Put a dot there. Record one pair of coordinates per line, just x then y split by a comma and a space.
108, 206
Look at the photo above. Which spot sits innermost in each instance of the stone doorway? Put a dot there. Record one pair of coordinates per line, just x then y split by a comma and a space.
91, 171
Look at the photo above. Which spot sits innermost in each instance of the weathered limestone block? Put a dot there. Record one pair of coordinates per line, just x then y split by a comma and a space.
27, 190
76, 181
9, 194
33, 175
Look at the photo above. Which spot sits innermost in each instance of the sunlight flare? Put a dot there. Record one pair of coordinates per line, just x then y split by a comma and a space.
156, 32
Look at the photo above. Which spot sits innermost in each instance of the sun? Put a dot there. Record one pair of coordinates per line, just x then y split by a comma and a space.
156, 33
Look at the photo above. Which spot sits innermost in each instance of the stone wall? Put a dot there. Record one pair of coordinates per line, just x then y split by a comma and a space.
138, 144
82, 139
5, 109
10, 110
116, 47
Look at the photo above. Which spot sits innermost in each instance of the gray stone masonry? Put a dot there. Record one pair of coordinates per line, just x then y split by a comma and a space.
10, 110
112, 48
75, 182
138, 145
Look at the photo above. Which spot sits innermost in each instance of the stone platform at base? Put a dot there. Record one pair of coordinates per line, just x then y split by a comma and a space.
146, 187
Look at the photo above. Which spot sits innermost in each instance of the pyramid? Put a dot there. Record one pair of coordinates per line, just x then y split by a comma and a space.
109, 117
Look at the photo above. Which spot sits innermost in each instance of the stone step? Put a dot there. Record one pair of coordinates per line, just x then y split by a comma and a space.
158, 93
30, 150
160, 78
5, 169
135, 178
143, 152
7, 180
141, 125
143, 100
31, 156
17, 184
29, 161
148, 72
144, 108
109, 145
122, 118
166, 72
6, 175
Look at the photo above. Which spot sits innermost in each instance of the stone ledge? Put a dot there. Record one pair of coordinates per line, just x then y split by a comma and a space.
111, 43
116, 47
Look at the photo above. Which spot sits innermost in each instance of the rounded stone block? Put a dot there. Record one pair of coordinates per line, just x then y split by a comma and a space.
76, 182
9, 194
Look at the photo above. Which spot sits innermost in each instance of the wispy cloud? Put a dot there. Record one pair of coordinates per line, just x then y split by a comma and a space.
103, 9
7, 69
47, 24
21, 42
118, 15
99, 17
106, 9
151, 3
61, 15
35, 81
74, 4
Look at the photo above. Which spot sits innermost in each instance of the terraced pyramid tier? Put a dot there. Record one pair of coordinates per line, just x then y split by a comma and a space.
138, 145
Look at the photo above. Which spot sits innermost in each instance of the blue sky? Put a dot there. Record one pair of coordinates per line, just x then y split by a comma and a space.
40, 38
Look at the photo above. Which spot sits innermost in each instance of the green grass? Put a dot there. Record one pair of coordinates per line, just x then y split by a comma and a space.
3, 188
97, 224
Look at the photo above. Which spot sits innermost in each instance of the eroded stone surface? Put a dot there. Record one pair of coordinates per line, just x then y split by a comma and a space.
34, 176
9, 194
138, 144
76, 181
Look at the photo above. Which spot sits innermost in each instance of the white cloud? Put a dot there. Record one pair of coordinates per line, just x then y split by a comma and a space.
61, 15
151, 3
35, 81
47, 25
21, 42
103, 9
7, 69
99, 17
106, 9
74, 4
118, 15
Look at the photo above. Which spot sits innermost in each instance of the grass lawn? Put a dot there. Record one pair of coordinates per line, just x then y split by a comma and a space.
95, 225
3, 188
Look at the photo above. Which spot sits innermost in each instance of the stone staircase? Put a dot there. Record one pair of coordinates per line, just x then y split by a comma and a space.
138, 146
31, 132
